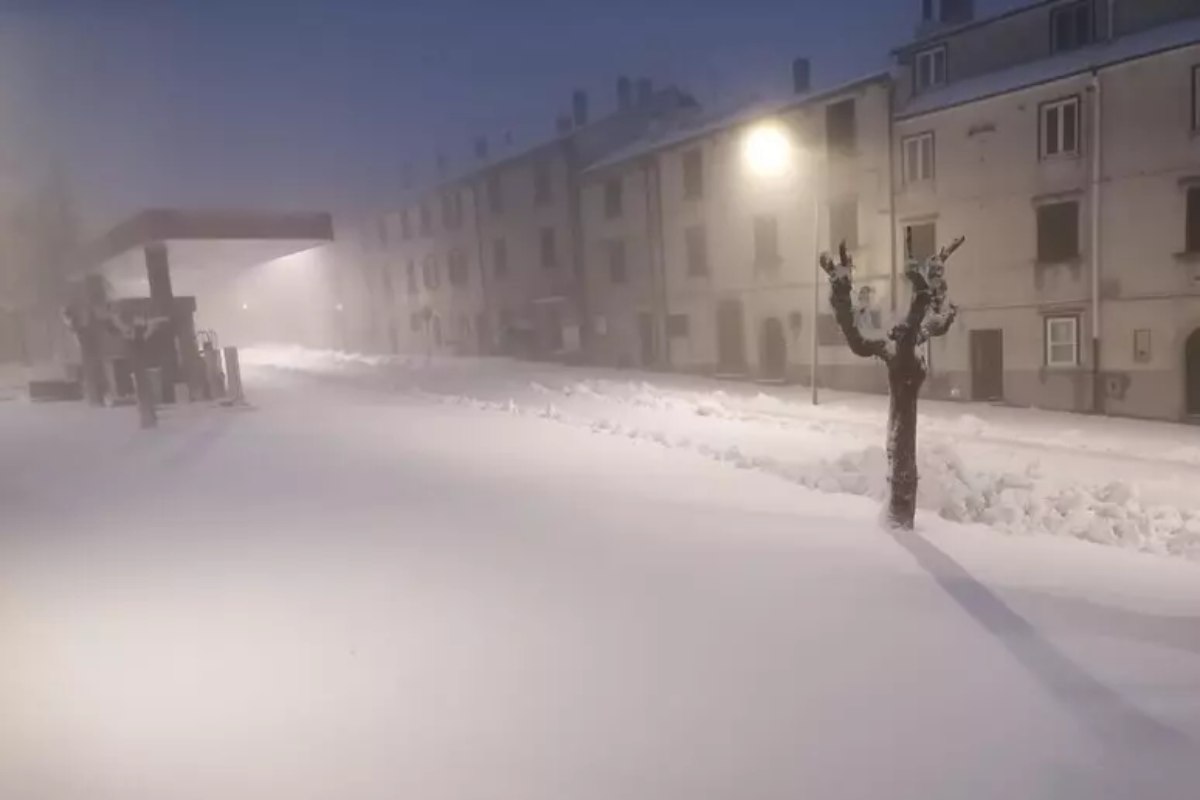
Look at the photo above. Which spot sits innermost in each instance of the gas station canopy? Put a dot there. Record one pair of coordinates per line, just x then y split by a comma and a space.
201, 243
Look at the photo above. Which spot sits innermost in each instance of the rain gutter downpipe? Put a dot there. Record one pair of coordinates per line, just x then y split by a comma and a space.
1097, 164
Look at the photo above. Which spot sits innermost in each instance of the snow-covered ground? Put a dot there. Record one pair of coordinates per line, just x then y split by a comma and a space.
1118, 482
386, 585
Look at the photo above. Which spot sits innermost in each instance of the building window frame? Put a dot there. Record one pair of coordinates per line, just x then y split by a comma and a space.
494, 189
1052, 128
1143, 347
1078, 38
500, 258
692, 163
918, 158
843, 141
1196, 99
457, 269
695, 246
617, 260
843, 221
431, 272
1047, 250
613, 198
767, 257
930, 68
548, 248
1061, 333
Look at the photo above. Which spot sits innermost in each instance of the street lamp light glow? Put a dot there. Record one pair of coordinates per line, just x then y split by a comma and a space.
767, 150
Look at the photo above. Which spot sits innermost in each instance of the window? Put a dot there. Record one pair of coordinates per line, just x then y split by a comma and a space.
1062, 341
617, 272
693, 175
1071, 26
920, 240
541, 184
841, 127
927, 10
499, 258
495, 193
677, 325
917, 157
452, 210
456, 268
612, 198
412, 276
766, 242
929, 69
548, 249
1196, 98
405, 225
1141, 346
1057, 232
425, 221
389, 291
843, 221
1192, 240
1060, 128
695, 240
416, 321
429, 271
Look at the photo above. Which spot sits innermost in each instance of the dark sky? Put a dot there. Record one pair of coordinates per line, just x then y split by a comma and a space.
241, 103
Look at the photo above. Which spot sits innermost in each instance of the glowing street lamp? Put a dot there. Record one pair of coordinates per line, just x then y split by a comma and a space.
769, 151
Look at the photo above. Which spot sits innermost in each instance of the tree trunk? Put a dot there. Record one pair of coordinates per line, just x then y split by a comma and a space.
905, 376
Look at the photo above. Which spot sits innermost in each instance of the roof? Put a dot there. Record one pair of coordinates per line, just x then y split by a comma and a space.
719, 121
1035, 73
951, 30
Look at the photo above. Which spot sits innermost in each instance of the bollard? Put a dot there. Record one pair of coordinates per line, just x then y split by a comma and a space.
144, 389
233, 376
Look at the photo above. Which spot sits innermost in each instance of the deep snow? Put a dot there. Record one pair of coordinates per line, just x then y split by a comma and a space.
1114, 482
346, 592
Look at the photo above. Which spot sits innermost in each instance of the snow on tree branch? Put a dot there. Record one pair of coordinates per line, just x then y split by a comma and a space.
841, 285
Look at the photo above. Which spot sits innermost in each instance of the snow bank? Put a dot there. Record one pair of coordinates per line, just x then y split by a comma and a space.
1023, 474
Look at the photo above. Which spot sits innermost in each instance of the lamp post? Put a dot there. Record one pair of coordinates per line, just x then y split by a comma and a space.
769, 151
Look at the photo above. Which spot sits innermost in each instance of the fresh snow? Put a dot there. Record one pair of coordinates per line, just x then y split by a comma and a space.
1116, 482
436, 581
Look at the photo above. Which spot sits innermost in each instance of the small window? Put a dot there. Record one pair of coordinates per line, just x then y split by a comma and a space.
416, 321
1071, 26
1057, 232
1196, 98
1141, 346
917, 156
920, 241
695, 239
541, 183
612, 198
425, 220
1062, 341
617, 271
548, 249
429, 271
449, 220
929, 69
677, 325
456, 268
495, 193
1192, 224
405, 225
1060, 128
843, 221
841, 127
693, 174
600, 325
499, 258
411, 271
766, 242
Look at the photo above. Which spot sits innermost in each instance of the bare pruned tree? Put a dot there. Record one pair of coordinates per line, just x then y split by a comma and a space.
929, 315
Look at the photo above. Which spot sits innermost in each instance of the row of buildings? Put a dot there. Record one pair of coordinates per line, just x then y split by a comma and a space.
1062, 139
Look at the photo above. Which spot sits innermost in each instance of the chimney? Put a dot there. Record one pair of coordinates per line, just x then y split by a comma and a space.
508, 139
801, 75
579, 107
624, 93
939, 14
481, 148
645, 88
563, 124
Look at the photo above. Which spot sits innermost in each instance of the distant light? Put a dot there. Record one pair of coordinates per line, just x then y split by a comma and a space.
245, 306
338, 306
767, 149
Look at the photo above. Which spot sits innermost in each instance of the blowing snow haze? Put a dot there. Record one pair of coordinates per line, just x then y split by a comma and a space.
542, 400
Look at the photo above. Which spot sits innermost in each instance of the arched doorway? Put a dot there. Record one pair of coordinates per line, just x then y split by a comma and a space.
773, 350
1191, 371
731, 344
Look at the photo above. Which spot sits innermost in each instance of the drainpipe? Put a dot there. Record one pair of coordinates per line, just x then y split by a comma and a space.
484, 288
1097, 163
891, 184
655, 249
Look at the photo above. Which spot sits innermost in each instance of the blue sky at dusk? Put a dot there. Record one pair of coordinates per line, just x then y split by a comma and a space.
311, 104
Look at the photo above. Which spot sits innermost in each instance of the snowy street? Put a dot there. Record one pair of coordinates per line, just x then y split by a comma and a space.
462, 581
